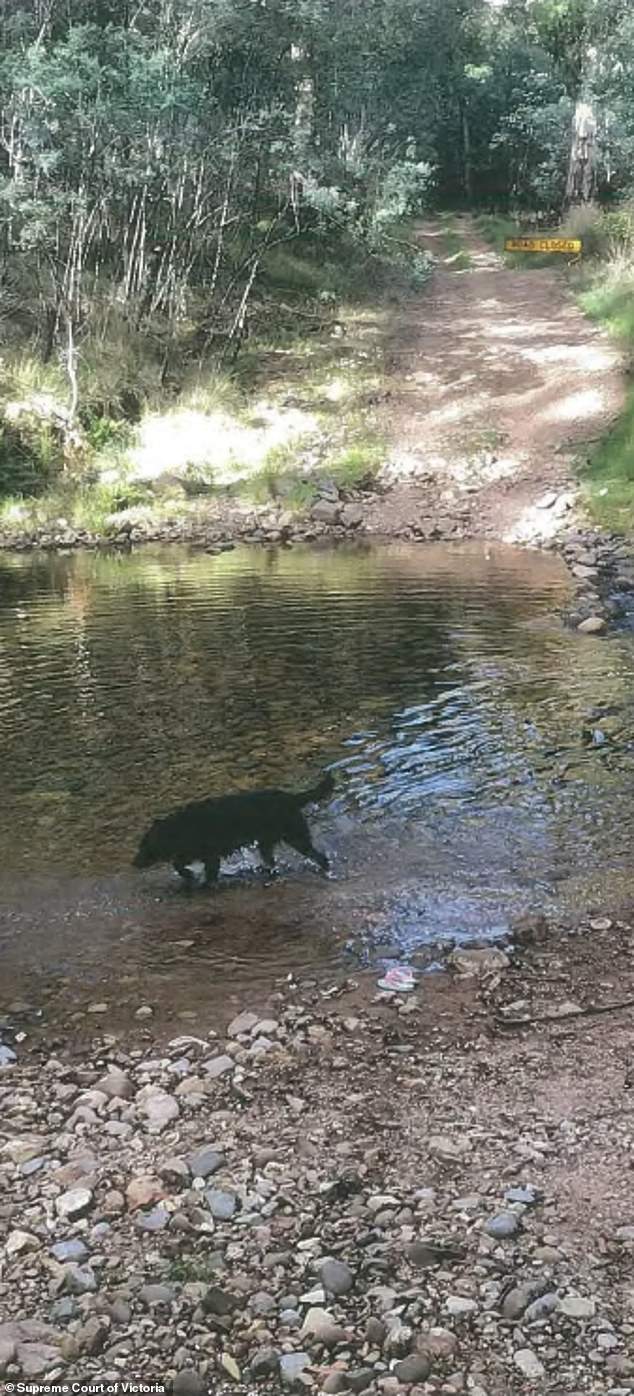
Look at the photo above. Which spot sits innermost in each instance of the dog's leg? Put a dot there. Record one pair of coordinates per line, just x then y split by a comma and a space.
301, 840
212, 868
189, 878
267, 854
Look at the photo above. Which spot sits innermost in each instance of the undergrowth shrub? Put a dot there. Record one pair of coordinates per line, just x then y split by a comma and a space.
31, 456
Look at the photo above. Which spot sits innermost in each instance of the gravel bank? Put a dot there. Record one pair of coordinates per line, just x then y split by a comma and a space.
424, 1193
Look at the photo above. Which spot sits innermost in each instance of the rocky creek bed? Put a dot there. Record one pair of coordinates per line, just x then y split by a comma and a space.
340, 1191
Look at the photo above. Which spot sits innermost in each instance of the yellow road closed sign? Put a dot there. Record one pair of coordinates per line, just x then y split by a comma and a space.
543, 245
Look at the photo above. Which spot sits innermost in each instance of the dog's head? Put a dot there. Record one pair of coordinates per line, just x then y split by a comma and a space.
151, 848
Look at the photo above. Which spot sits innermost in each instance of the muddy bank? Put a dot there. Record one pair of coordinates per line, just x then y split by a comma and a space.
336, 1192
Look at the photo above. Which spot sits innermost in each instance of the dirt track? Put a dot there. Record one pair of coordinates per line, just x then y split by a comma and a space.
497, 382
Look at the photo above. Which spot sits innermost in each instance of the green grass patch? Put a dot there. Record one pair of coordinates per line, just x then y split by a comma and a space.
496, 228
608, 475
608, 472
286, 477
87, 504
314, 362
358, 465
611, 302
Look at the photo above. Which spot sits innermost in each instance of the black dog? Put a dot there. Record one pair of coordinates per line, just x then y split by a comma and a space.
207, 830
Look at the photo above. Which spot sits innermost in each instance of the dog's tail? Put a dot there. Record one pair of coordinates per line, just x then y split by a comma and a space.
317, 792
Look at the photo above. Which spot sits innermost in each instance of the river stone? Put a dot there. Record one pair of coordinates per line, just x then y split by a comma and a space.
19, 1241
267, 1027
528, 1363
7, 1354
504, 1225
158, 1107
325, 511
151, 1295
175, 1172
575, 1306
541, 1308
218, 1066
425, 1254
218, 1301
593, 625
399, 1337
262, 1303
143, 1191
316, 1295
79, 1279
292, 1364
336, 1383
230, 1366
116, 1085
63, 1310
352, 515
221, 1204
519, 1298
91, 1336
375, 1331
471, 963
73, 1204
528, 1196
291, 1318
36, 1358
155, 1220
33, 1165
7, 1056
205, 1162
449, 1148
265, 1363
359, 1379
65, 1251
336, 1277
28, 1330
189, 1383
459, 1307
244, 1023
438, 1343
414, 1368
320, 1324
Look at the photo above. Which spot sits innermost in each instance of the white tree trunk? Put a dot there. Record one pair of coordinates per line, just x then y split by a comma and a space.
581, 170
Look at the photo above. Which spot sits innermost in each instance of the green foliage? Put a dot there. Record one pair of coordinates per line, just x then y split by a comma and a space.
274, 483
31, 455
608, 470
103, 433
197, 480
92, 504
358, 466
187, 182
608, 473
405, 190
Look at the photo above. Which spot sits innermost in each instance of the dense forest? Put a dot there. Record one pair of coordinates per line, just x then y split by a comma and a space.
155, 158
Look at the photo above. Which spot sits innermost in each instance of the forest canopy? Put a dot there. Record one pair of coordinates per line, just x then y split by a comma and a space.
153, 152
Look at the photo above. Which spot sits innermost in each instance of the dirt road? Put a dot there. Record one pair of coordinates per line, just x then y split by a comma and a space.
498, 380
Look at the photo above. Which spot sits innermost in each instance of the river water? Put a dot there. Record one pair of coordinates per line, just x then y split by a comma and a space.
483, 757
